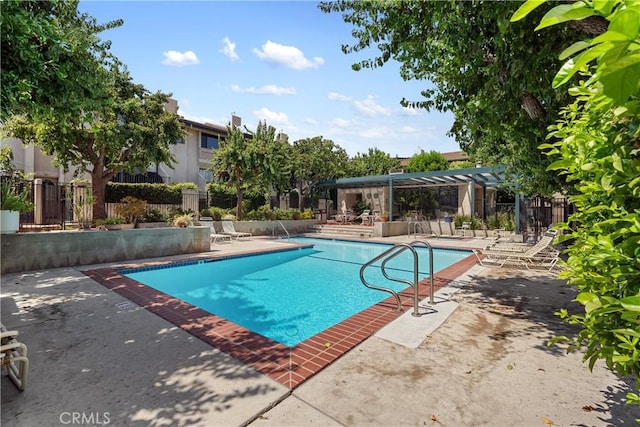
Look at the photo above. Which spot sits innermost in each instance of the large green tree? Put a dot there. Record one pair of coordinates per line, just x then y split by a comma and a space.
426, 161
315, 160
374, 162
257, 160
128, 129
51, 57
596, 145
492, 74
63, 91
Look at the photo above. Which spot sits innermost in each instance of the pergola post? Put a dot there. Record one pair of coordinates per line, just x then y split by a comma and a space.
390, 199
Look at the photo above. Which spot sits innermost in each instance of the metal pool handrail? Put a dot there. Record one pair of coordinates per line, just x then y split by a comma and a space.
283, 227
391, 253
415, 225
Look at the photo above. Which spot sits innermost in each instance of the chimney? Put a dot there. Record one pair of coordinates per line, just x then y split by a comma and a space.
236, 121
171, 106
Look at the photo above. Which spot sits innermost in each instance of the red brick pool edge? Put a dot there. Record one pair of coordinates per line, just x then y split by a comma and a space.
290, 366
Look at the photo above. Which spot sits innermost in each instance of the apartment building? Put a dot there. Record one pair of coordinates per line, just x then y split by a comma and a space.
193, 155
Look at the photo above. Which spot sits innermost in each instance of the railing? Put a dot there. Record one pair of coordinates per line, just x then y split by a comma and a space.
414, 226
283, 227
389, 255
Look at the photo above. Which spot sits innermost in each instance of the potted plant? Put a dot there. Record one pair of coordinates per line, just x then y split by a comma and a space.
384, 217
13, 203
183, 221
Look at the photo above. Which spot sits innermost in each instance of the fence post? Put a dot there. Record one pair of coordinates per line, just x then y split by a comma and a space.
38, 202
190, 200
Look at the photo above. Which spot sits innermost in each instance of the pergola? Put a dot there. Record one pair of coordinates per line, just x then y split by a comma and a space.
485, 177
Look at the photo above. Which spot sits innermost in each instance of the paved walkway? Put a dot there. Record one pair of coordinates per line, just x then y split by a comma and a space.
98, 359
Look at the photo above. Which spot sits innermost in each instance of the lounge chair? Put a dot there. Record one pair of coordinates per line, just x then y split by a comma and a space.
214, 236
540, 255
229, 229
366, 217
13, 354
545, 241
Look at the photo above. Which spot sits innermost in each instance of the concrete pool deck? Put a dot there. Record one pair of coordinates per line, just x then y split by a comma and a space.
99, 358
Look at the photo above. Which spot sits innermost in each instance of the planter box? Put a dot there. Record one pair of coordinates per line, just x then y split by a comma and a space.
153, 224
37, 251
119, 226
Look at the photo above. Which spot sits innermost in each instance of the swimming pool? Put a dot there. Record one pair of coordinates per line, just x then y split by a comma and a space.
292, 295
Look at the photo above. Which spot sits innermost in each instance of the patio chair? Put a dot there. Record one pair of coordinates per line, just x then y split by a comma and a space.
540, 255
13, 355
366, 217
214, 236
229, 228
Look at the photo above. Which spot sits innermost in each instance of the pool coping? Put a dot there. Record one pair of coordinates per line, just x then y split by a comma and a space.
289, 366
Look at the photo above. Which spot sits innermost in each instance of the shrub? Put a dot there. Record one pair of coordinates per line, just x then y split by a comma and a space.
131, 209
153, 215
476, 223
308, 214
110, 221
151, 193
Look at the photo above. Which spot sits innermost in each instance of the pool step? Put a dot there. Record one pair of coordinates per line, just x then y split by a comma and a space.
344, 230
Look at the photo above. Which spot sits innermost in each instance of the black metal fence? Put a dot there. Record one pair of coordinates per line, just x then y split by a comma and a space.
54, 204
538, 214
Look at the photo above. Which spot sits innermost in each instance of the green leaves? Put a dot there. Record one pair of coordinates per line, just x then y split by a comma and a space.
526, 8
596, 138
564, 13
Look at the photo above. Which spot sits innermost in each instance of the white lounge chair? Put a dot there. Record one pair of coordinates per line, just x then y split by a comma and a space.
540, 255
214, 236
546, 242
229, 228
13, 355
366, 217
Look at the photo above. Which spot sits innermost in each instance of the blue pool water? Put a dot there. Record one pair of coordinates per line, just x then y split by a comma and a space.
292, 295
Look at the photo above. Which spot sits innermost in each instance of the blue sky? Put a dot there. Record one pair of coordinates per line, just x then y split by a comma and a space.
278, 61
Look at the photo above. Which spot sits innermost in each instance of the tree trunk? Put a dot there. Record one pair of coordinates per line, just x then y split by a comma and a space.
531, 105
98, 188
240, 194
300, 198
593, 25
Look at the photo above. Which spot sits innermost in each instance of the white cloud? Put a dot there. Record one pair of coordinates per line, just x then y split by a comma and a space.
179, 59
266, 90
289, 56
335, 96
229, 49
370, 108
407, 111
271, 117
340, 123
376, 132
407, 129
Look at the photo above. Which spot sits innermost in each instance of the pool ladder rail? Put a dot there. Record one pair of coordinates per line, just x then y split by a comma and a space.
393, 252
419, 227
283, 227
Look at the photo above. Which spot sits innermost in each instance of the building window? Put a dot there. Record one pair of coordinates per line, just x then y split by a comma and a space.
208, 141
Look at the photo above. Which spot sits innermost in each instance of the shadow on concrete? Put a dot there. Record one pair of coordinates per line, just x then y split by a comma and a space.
536, 297
95, 353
